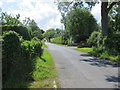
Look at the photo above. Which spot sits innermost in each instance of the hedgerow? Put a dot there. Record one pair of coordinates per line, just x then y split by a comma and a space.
21, 30
19, 56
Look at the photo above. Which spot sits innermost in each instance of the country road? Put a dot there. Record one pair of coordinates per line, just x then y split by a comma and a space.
80, 70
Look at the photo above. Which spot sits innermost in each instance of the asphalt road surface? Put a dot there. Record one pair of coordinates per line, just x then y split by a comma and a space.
80, 70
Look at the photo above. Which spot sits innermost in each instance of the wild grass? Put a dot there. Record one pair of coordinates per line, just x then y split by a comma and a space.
85, 50
44, 45
103, 55
59, 44
45, 72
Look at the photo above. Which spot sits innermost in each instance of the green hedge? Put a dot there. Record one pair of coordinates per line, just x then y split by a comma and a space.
11, 48
23, 31
19, 56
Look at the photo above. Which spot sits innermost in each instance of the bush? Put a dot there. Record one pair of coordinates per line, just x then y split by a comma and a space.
112, 43
11, 47
19, 56
23, 31
95, 39
107, 47
58, 40
83, 44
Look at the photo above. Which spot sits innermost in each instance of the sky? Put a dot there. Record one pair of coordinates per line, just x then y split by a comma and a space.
44, 12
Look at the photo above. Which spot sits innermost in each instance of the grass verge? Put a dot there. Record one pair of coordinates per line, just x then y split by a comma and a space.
85, 50
59, 44
43, 45
103, 55
45, 72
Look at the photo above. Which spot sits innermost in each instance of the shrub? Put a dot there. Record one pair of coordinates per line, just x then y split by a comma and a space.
82, 44
112, 43
11, 48
23, 31
95, 39
19, 56
58, 40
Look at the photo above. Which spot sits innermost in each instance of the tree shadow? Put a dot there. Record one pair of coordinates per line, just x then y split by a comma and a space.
98, 62
113, 79
86, 55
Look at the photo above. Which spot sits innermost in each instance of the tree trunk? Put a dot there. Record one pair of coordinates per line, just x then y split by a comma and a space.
104, 18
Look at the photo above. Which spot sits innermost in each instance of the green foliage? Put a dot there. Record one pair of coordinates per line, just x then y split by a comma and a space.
44, 72
19, 56
107, 47
6, 19
33, 28
58, 40
11, 49
95, 38
37, 34
50, 33
21, 48
32, 48
44, 45
112, 43
83, 44
23, 31
65, 7
114, 19
80, 24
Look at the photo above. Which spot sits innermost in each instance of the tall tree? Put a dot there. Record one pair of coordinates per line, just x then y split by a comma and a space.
50, 33
105, 8
80, 23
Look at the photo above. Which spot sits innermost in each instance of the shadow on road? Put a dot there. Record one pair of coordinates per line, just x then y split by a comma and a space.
97, 62
86, 55
113, 79
102, 63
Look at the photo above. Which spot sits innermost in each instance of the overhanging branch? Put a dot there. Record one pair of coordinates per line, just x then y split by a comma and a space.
111, 5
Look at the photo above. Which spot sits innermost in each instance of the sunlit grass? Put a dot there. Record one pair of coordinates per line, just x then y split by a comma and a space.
44, 45
45, 72
103, 55
60, 44
85, 50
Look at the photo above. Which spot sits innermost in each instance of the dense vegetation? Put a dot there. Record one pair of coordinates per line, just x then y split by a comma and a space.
80, 24
23, 53
25, 61
82, 30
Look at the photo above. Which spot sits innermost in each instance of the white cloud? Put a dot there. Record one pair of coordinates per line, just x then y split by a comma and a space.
1, 4
40, 12
9, 1
96, 11
54, 22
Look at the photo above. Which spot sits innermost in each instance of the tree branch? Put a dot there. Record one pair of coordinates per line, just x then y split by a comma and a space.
111, 5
